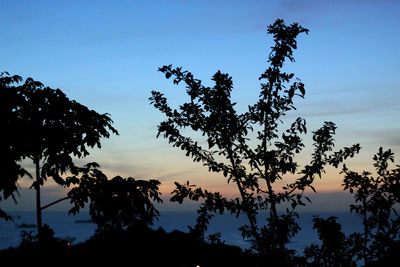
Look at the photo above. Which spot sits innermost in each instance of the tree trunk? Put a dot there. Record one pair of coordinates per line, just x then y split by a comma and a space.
266, 169
250, 216
38, 209
365, 243
271, 193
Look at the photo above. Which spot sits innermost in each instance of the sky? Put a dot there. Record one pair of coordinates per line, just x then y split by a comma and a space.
105, 55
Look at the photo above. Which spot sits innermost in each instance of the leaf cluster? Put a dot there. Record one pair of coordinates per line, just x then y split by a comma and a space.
11, 169
113, 203
376, 202
46, 126
336, 249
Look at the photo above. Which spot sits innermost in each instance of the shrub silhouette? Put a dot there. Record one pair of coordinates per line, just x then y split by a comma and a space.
114, 203
376, 202
336, 248
253, 165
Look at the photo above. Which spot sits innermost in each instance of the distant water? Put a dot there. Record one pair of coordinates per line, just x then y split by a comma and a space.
63, 225
228, 226
66, 226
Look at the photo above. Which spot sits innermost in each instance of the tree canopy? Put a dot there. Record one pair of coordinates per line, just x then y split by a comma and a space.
44, 125
10, 166
114, 203
253, 166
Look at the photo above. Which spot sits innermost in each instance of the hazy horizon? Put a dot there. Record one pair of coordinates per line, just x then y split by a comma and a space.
321, 202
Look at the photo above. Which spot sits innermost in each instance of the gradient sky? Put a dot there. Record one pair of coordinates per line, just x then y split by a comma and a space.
105, 55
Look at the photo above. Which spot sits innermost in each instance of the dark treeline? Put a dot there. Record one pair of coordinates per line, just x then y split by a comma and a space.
43, 125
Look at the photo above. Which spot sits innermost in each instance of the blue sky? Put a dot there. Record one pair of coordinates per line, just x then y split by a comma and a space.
105, 55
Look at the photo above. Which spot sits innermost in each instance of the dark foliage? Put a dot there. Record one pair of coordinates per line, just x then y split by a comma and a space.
34, 250
376, 202
114, 203
135, 246
51, 128
253, 165
335, 250
11, 170
44, 125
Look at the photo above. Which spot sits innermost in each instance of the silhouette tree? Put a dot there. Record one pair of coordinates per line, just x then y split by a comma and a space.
115, 203
336, 249
51, 129
10, 141
253, 166
376, 201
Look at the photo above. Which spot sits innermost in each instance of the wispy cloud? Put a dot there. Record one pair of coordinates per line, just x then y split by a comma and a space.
336, 108
386, 138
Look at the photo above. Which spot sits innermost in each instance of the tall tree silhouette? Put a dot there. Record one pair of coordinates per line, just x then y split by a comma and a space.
11, 170
52, 129
253, 165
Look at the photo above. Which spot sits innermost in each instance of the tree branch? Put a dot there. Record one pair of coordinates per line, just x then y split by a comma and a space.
54, 202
